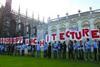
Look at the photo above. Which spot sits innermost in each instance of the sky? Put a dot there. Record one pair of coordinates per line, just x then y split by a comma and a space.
51, 8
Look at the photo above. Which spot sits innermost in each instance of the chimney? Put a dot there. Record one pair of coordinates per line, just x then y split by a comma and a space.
48, 19
90, 10
58, 17
79, 13
66, 15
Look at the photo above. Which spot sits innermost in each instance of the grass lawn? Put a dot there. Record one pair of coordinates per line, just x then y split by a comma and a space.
18, 61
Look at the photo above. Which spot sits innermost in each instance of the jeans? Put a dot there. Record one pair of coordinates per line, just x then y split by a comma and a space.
38, 53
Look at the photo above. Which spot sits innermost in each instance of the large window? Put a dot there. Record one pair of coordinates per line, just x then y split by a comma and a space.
73, 27
53, 29
85, 25
97, 24
62, 27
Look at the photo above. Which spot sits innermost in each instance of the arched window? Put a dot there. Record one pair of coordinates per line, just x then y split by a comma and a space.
62, 27
85, 25
53, 29
73, 27
97, 24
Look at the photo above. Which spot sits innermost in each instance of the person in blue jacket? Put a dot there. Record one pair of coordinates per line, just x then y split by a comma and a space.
59, 49
23, 46
38, 49
99, 50
75, 45
0, 48
88, 49
55, 49
45, 49
81, 51
95, 47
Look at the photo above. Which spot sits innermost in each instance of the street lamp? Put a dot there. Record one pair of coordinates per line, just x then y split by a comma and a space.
28, 32
19, 29
35, 31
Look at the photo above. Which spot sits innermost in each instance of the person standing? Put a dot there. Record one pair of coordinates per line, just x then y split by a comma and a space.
38, 49
70, 50
55, 49
95, 47
59, 49
23, 49
0, 48
75, 44
33, 50
81, 52
99, 50
49, 50
64, 50
45, 49
88, 49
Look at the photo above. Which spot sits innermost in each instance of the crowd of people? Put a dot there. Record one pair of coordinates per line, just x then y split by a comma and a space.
74, 50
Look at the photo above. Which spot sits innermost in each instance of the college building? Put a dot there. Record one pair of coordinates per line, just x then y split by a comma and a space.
76, 22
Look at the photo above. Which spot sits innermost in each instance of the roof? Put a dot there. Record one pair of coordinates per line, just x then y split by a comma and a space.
87, 13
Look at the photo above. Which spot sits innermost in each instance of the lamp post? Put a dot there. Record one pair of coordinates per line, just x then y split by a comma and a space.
29, 34
19, 29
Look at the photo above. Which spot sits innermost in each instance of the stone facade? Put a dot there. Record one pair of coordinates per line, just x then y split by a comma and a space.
76, 22
13, 23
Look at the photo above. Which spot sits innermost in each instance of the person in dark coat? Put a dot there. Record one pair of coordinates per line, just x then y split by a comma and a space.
59, 49
99, 50
49, 50
33, 50
75, 45
64, 50
70, 50
38, 49
95, 47
81, 52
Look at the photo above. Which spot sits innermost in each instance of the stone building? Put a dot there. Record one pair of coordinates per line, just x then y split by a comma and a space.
7, 21
13, 23
76, 22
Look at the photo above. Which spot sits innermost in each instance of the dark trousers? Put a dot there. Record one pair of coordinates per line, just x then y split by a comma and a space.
38, 53
88, 54
54, 54
64, 54
33, 53
45, 53
76, 54
0, 51
70, 54
49, 54
81, 54
99, 54
22, 52
95, 54
59, 53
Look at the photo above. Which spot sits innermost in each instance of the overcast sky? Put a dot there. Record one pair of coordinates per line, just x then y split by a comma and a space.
46, 8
